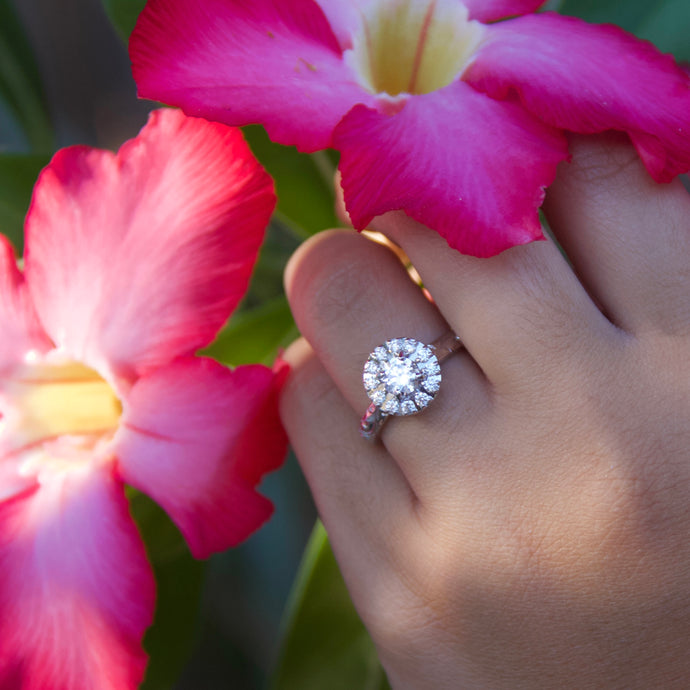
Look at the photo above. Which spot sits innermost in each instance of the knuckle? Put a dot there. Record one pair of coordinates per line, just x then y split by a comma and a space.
337, 280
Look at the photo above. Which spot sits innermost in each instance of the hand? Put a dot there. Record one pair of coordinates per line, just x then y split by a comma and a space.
531, 529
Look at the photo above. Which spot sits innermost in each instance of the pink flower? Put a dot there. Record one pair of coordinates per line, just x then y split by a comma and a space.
435, 109
133, 262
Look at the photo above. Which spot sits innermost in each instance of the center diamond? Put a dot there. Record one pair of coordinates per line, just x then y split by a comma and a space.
402, 376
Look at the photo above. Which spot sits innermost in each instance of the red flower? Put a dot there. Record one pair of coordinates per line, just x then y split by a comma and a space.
133, 262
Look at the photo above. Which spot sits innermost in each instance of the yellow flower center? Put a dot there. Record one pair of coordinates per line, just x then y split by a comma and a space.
413, 46
52, 400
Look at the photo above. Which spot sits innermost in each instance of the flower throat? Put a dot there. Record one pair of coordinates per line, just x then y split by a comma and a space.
413, 47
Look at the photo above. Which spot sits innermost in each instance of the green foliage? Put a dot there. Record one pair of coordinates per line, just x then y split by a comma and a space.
665, 22
304, 183
325, 643
667, 25
17, 178
20, 84
179, 578
255, 335
263, 324
123, 14
267, 280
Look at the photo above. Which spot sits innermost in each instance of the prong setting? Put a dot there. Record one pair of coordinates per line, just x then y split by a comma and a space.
402, 376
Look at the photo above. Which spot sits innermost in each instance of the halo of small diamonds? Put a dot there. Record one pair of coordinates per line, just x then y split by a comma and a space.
402, 376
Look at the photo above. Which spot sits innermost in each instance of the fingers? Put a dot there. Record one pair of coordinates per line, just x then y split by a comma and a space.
628, 237
526, 317
370, 512
521, 313
350, 295
362, 497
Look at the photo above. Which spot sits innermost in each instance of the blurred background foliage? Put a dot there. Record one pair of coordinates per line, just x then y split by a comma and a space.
65, 79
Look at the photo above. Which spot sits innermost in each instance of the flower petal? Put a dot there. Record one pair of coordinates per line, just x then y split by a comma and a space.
136, 258
345, 18
20, 331
492, 10
239, 62
12, 480
472, 168
588, 78
76, 592
197, 438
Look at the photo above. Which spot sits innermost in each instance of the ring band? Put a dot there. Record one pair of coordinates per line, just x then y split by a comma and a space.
401, 377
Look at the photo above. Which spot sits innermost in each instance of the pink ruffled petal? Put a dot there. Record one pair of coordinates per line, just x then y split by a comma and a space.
492, 10
472, 168
239, 62
344, 16
136, 258
20, 331
197, 438
588, 78
76, 592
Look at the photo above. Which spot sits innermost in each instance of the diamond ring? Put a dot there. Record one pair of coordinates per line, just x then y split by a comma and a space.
401, 377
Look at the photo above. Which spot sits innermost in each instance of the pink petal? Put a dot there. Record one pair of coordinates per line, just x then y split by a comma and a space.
492, 10
588, 78
20, 330
472, 168
239, 62
136, 258
344, 16
197, 438
12, 481
76, 592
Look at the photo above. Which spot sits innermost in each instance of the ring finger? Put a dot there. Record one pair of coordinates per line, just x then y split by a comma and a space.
349, 295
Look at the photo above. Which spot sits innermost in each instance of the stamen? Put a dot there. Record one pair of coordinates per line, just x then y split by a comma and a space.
412, 46
52, 400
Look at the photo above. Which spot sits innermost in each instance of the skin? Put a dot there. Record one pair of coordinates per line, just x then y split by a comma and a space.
531, 528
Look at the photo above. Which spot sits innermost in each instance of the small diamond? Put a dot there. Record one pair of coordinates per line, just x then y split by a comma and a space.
391, 405
369, 379
423, 353
432, 384
430, 367
408, 407
370, 366
378, 396
380, 353
396, 346
421, 399
402, 376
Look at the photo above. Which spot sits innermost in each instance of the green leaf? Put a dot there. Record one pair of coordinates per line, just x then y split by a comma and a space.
17, 178
123, 14
20, 82
325, 644
179, 579
666, 23
627, 14
304, 183
267, 280
255, 335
